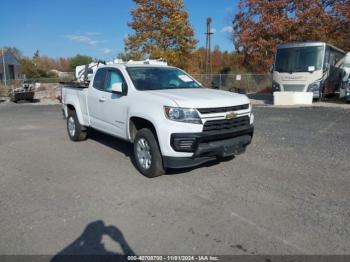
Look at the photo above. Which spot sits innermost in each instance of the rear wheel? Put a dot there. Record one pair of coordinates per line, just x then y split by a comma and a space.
147, 154
76, 131
322, 95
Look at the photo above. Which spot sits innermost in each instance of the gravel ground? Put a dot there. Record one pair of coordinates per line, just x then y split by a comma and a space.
288, 194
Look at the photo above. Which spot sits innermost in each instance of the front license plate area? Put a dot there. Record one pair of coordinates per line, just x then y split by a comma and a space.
228, 150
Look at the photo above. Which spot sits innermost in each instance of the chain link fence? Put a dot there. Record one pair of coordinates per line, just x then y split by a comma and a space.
247, 83
243, 83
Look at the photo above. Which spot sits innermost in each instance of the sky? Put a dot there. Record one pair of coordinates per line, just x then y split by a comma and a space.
96, 28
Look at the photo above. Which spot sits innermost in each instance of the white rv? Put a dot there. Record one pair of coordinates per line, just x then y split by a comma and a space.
307, 67
345, 85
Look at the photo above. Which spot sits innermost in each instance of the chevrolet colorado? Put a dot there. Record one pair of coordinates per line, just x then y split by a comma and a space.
171, 119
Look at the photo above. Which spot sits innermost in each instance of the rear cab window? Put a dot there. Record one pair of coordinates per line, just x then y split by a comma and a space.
100, 78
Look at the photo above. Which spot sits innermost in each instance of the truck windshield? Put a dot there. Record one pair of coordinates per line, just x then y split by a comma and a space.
158, 78
298, 59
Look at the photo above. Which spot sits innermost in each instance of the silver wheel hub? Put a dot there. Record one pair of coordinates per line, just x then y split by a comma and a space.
71, 126
143, 151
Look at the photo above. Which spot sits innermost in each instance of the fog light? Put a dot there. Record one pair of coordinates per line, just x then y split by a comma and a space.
183, 144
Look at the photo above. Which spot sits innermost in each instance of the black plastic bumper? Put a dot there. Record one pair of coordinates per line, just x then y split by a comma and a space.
209, 146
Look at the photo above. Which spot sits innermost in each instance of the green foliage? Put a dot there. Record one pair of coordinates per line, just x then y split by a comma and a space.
79, 60
42, 66
29, 68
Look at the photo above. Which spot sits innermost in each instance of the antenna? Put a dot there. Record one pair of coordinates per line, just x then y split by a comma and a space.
208, 65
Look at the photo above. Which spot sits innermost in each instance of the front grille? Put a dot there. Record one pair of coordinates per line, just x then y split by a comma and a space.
222, 109
226, 124
294, 88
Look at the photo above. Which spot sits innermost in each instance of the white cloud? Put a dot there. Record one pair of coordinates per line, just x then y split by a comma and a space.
82, 38
213, 30
106, 51
227, 29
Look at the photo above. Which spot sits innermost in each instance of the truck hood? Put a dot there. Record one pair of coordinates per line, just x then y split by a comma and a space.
202, 97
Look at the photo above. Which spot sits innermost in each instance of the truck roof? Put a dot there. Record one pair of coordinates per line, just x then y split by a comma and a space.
147, 62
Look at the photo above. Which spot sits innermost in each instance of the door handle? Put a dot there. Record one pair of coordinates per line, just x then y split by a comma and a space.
102, 99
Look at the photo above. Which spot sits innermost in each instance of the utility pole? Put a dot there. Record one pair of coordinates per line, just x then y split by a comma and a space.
208, 66
3, 64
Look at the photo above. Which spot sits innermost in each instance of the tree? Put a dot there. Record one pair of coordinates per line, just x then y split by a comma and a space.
79, 60
124, 56
260, 26
162, 30
36, 54
29, 69
341, 12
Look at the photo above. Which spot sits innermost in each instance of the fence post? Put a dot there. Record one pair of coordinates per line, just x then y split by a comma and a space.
248, 83
220, 87
4, 67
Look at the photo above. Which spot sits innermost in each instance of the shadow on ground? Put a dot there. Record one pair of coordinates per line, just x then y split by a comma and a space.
32, 101
127, 149
90, 247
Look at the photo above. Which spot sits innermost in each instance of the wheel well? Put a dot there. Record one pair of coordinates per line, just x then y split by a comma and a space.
137, 123
71, 107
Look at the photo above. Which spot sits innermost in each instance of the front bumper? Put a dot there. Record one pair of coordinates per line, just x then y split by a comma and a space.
207, 146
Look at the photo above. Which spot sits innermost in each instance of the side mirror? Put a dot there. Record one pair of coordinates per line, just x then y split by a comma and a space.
117, 88
311, 69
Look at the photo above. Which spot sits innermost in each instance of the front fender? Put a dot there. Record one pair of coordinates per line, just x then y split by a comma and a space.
143, 116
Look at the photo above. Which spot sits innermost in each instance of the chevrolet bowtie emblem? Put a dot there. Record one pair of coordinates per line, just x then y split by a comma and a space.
231, 115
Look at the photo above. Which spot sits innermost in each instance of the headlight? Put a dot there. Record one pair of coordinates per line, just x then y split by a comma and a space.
314, 87
275, 86
186, 115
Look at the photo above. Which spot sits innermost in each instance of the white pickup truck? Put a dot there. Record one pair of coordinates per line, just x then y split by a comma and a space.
172, 121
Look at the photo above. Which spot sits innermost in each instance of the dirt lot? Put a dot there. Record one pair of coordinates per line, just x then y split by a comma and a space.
288, 194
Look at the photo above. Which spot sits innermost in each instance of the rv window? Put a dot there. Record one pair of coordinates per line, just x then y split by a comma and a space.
298, 59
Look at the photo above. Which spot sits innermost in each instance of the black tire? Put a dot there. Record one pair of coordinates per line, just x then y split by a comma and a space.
322, 96
156, 167
80, 132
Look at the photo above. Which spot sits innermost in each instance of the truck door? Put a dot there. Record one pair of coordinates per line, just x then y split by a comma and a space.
95, 98
114, 107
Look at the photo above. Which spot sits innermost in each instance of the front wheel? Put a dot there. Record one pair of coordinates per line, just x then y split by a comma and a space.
147, 154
